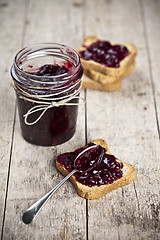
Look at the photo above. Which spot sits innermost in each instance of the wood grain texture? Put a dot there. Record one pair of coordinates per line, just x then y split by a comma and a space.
150, 13
33, 171
8, 30
127, 119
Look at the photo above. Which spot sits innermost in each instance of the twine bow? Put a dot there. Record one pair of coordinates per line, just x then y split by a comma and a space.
46, 102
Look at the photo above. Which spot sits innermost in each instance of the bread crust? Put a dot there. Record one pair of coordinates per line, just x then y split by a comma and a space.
96, 80
102, 78
109, 86
95, 192
115, 72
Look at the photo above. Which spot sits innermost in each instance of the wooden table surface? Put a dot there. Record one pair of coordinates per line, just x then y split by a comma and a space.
127, 119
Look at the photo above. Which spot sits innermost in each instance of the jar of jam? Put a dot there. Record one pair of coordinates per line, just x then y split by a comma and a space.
47, 82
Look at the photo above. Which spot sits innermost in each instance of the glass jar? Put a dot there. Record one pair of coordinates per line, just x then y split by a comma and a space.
47, 104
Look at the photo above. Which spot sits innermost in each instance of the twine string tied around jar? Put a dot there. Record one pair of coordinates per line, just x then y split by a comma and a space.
46, 102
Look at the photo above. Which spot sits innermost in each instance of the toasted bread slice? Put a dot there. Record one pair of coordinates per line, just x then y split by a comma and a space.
93, 65
129, 70
95, 192
108, 86
102, 78
98, 81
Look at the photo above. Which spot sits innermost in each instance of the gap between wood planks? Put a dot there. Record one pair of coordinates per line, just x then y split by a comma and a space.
85, 98
14, 120
8, 175
141, 6
86, 142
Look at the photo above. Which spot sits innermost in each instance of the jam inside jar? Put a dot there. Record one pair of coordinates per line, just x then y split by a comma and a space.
47, 81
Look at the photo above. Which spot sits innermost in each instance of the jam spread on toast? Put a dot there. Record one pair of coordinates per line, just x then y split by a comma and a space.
105, 53
106, 172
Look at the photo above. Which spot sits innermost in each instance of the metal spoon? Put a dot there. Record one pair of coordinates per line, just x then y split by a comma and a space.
32, 211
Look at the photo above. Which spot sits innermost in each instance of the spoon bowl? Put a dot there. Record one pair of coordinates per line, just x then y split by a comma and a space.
88, 158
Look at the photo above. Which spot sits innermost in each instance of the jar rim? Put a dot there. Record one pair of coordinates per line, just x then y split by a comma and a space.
64, 76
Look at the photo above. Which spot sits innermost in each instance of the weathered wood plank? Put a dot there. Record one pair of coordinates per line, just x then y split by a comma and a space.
10, 32
33, 171
126, 119
151, 15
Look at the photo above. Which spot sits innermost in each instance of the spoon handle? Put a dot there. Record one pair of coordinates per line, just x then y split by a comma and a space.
32, 211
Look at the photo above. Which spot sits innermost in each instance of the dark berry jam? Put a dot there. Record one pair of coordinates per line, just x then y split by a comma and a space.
51, 70
105, 53
106, 172
58, 124
89, 158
